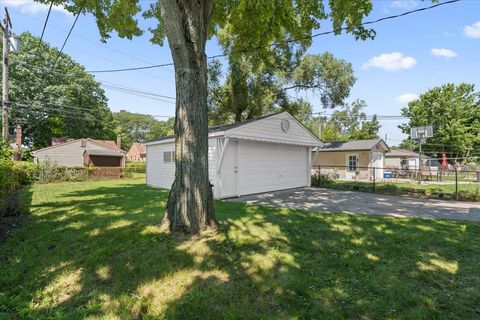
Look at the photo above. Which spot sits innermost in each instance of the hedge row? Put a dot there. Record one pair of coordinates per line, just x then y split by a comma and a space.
13, 177
137, 167
16, 175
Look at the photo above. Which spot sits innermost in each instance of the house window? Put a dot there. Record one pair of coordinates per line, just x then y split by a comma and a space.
169, 156
352, 163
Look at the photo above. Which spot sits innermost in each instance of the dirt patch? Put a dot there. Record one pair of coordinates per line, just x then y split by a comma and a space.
8, 224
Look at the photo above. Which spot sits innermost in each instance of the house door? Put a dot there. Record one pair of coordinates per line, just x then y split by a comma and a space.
377, 162
229, 172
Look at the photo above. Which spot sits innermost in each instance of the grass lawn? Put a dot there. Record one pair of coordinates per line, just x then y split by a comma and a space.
94, 250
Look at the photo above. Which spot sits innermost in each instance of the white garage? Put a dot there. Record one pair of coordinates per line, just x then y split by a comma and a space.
267, 154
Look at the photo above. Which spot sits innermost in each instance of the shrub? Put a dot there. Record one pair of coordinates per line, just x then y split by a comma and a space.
126, 173
5, 151
51, 172
137, 167
465, 195
13, 177
319, 179
388, 188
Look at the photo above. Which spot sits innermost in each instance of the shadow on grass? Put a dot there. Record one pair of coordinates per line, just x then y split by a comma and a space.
97, 252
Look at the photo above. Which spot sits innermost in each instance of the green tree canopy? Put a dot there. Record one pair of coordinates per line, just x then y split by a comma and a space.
250, 92
349, 123
137, 127
51, 95
454, 112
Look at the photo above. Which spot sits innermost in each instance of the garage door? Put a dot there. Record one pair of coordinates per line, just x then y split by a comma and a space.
266, 167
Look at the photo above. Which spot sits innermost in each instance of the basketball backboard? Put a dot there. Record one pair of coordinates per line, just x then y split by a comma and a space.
421, 132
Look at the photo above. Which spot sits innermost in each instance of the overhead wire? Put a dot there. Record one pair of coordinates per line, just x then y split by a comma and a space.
278, 43
44, 26
68, 35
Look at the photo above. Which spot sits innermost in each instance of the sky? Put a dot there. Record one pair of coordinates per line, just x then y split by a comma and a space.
408, 56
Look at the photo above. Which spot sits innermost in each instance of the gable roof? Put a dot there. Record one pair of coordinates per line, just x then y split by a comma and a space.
109, 144
137, 147
401, 153
353, 145
106, 143
224, 128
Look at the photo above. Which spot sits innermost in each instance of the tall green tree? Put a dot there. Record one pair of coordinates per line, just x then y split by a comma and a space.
64, 101
137, 127
406, 144
454, 112
348, 123
187, 25
250, 92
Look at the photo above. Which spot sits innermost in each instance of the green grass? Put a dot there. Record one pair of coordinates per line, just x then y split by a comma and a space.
94, 251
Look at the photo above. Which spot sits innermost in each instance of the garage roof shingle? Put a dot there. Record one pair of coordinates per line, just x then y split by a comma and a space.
351, 145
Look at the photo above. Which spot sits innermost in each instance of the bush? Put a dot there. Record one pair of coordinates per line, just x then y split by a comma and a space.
388, 188
6, 151
465, 195
13, 177
126, 173
136, 167
319, 179
51, 172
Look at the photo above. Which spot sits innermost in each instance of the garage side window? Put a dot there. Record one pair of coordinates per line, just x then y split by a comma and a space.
168, 156
352, 163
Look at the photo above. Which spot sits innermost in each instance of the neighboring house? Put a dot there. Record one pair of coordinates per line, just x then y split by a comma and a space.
83, 152
260, 155
402, 159
137, 152
352, 160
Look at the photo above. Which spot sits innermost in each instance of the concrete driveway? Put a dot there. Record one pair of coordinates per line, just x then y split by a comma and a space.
328, 200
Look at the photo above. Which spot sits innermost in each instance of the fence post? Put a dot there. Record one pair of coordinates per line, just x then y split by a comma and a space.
318, 175
374, 178
456, 183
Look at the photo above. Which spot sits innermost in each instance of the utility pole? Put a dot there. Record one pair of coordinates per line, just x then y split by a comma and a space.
6, 33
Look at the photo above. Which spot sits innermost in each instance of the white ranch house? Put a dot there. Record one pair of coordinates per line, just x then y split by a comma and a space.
267, 154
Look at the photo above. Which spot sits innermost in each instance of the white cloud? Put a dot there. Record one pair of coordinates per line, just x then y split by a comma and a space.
473, 30
404, 4
391, 62
33, 8
442, 52
406, 97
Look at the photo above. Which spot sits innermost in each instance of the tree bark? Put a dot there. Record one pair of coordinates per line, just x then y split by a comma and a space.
190, 206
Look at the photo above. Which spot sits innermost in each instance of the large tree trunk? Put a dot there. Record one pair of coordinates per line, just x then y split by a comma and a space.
190, 202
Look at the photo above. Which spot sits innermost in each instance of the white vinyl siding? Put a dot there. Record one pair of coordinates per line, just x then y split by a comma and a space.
270, 130
258, 156
69, 154
160, 174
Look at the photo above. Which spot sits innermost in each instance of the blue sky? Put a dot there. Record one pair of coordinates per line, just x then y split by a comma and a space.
408, 56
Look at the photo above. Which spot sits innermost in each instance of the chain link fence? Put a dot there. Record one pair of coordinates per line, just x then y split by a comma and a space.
459, 183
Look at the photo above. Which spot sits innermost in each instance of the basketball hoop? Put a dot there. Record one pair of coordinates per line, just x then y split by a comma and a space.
421, 134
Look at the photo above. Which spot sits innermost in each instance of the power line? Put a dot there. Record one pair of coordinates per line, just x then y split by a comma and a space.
107, 83
102, 45
44, 25
276, 44
132, 68
69, 33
